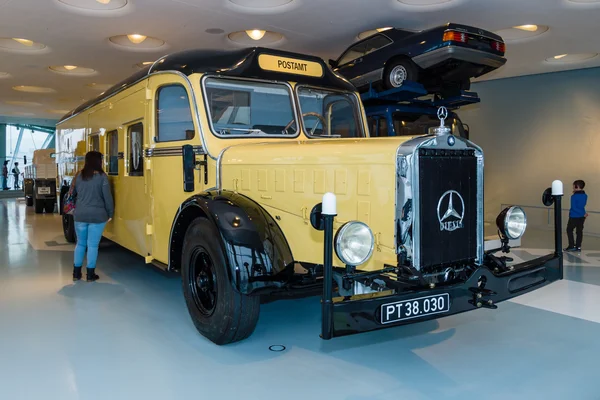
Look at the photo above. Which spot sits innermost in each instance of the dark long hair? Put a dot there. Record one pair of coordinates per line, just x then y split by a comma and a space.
93, 164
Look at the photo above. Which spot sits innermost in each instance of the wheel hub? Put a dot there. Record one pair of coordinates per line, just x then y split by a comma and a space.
202, 282
398, 75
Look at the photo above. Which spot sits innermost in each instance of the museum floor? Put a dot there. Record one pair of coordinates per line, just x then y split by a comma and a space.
129, 336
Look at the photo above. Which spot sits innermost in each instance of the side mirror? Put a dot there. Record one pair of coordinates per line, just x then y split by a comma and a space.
189, 164
333, 63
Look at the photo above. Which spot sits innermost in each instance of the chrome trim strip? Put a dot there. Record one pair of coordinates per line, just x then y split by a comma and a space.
219, 170
373, 76
437, 56
210, 123
170, 151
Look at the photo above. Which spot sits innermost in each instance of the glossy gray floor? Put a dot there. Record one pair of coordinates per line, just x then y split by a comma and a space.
129, 336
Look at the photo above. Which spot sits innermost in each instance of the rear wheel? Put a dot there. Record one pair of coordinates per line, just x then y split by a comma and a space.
69, 228
38, 205
218, 311
399, 71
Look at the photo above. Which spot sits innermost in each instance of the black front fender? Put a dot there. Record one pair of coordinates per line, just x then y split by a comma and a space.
257, 254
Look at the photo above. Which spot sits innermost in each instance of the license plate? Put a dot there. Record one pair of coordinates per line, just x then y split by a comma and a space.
415, 308
44, 190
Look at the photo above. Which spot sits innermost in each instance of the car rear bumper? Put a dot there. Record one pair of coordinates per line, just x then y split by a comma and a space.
363, 313
474, 56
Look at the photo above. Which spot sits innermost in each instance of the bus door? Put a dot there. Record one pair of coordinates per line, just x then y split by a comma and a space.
172, 128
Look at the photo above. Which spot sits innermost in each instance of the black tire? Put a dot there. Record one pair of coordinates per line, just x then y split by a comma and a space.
29, 201
465, 85
38, 206
218, 311
69, 228
49, 206
398, 71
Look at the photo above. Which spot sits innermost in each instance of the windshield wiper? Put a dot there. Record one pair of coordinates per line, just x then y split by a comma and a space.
225, 131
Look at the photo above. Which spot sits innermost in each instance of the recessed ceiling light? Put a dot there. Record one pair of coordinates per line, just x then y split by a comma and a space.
243, 37
20, 44
72, 70
571, 58
528, 28
136, 38
99, 86
136, 41
33, 89
256, 34
371, 32
522, 32
96, 5
23, 103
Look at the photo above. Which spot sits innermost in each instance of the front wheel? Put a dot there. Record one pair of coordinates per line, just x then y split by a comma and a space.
218, 311
49, 206
38, 205
399, 71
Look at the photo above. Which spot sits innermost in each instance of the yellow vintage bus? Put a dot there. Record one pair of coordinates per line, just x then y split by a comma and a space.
218, 162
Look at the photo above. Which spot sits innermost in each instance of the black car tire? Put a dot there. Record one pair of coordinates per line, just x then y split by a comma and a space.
49, 206
38, 205
399, 70
218, 311
69, 228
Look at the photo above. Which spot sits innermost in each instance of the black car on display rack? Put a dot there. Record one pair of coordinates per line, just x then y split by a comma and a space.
443, 59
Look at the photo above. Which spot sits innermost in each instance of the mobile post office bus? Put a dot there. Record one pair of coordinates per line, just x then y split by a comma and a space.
218, 161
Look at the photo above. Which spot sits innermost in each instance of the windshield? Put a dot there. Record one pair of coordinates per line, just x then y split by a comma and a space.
411, 124
249, 109
327, 113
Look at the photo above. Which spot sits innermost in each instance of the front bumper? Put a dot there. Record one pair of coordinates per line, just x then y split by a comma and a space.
363, 313
474, 56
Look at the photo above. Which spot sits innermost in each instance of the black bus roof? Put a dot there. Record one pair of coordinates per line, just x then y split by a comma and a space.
236, 63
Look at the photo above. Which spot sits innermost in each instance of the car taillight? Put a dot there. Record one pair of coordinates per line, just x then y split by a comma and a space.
498, 46
452, 36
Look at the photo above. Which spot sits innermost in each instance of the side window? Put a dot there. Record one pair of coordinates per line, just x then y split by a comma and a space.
112, 145
352, 53
375, 43
372, 123
383, 128
95, 142
173, 114
135, 137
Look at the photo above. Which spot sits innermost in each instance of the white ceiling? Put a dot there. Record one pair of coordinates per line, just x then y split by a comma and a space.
321, 27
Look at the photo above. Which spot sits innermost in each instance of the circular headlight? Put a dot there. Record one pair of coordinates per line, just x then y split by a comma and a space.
354, 243
512, 222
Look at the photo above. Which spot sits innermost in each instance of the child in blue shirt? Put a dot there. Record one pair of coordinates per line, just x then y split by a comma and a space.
577, 215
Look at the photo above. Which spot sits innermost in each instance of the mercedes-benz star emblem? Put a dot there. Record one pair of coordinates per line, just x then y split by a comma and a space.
442, 113
452, 218
451, 140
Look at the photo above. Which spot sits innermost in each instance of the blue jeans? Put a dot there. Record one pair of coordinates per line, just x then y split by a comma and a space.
88, 237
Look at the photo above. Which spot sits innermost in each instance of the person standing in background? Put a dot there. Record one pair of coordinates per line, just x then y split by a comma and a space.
5, 175
16, 173
94, 208
577, 216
